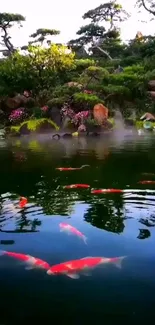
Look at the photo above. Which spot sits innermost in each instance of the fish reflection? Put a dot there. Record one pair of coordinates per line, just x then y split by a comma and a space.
83, 266
23, 201
144, 234
77, 186
61, 169
71, 230
106, 190
7, 242
146, 182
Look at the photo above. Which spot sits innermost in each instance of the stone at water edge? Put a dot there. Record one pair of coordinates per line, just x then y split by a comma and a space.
100, 113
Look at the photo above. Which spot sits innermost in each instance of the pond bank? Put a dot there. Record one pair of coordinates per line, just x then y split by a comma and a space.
44, 126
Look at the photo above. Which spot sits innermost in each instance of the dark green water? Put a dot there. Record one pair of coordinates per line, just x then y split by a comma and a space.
115, 225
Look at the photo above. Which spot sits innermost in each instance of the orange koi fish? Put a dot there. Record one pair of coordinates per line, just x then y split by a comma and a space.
70, 229
32, 262
105, 191
23, 201
77, 186
146, 182
62, 169
83, 265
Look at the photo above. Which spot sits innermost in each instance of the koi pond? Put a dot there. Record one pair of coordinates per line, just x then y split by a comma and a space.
71, 254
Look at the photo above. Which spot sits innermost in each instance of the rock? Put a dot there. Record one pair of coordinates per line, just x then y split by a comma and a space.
12, 103
74, 84
55, 115
82, 128
100, 113
18, 101
44, 127
107, 125
152, 94
67, 135
92, 127
151, 85
56, 136
147, 117
24, 130
129, 122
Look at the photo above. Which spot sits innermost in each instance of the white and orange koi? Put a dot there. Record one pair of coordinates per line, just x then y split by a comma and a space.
83, 266
65, 227
31, 261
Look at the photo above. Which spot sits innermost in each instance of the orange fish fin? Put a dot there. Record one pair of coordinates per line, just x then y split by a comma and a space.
85, 240
74, 276
30, 267
118, 263
62, 229
86, 273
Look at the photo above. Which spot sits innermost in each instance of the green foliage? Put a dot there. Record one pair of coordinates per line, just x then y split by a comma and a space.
7, 20
41, 34
57, 102
40, 69
86, 101
55, 74
109, 12
83, 64
34, 124
93, 74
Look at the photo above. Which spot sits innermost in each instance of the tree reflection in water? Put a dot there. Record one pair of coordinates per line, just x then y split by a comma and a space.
107, 215
20, 219
144, 234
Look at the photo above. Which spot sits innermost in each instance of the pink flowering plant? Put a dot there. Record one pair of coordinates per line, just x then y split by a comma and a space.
66, 111
17, 115
81, 117
44, 110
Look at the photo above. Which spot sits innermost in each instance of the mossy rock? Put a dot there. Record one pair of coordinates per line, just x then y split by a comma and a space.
129, 122
140, 124
42, 125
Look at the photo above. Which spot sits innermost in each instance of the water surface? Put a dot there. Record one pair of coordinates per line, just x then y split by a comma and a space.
115, 225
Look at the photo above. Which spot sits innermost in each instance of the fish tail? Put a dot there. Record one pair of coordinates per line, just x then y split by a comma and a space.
85, 240
118, 261
83, 166
2, 252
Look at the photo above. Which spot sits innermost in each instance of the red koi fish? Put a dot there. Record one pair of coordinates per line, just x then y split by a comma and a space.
71, 230
146, 182
77, 186
83, 265
106, 190
32, 262
62, 169
23, 201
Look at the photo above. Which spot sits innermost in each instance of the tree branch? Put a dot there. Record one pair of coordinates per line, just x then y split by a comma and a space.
103, 51
147, 9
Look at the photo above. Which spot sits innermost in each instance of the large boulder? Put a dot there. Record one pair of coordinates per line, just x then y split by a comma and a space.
151, 85
152, 94
19, 101
74, 84
147, 117
100, 113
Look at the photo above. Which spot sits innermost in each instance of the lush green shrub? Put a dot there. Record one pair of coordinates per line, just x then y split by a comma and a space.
86, 101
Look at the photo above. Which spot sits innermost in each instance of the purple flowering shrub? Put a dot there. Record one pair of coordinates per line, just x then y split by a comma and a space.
17, 115
76, 119
80, 118
66, 111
